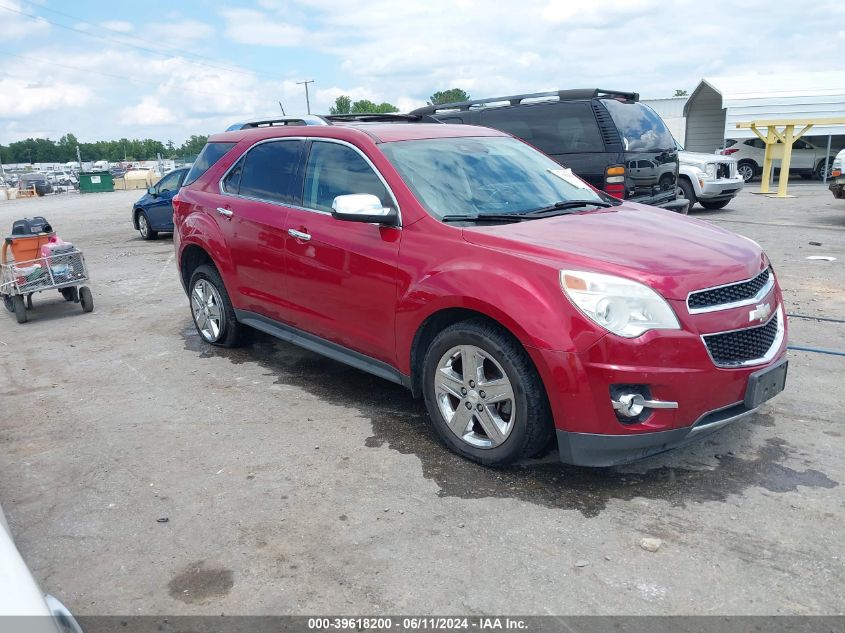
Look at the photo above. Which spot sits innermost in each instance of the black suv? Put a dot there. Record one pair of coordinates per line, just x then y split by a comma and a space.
607, 137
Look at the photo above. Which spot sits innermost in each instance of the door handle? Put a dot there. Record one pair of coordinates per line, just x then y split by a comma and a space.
299, 235
224, 212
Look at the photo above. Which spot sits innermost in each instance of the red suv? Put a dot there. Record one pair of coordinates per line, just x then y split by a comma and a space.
517, 300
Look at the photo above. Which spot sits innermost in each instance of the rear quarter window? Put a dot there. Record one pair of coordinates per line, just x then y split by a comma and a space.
210, 154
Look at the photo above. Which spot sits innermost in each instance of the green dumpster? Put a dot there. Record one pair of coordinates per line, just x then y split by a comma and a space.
95, 181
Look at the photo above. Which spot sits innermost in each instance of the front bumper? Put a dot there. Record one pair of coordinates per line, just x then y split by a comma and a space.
673, 365
724, 188
837, 188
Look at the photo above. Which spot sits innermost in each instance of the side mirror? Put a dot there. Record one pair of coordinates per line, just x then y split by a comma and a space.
152, 191
363, 207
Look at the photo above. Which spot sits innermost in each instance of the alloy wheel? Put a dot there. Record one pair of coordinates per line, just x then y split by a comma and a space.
746, 171
475, 396
207, 308
143, 225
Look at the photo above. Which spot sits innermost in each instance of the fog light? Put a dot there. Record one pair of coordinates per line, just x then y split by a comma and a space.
629, 405
632, 403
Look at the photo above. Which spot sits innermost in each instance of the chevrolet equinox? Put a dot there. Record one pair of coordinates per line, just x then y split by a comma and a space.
521, 303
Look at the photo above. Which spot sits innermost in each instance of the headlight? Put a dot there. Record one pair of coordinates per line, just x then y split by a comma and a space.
710, 170
619, 305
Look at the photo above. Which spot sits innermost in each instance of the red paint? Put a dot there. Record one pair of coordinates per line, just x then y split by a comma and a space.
370, 288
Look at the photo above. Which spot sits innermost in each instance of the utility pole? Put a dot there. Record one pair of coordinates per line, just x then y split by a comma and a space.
79, 158
307, 101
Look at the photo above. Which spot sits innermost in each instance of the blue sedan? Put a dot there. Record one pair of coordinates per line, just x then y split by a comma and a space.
154, 211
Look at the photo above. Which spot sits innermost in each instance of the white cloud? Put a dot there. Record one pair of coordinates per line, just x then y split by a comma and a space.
248, 26
122, 26
15, 26
148, 112
180, 31
20, 97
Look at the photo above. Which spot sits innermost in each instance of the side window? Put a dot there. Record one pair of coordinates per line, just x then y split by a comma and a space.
210, 154
800, 145
169, 183
554, 128
269, 171
335, 170
232, 181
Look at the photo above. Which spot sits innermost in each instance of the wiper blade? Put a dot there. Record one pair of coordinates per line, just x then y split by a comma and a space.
567, 205
483, 217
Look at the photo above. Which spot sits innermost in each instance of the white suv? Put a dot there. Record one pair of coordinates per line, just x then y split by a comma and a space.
807, 159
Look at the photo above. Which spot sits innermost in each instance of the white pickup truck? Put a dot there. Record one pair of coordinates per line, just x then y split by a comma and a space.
708, 179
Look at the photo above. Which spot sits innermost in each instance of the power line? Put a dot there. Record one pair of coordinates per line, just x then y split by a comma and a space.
40, 18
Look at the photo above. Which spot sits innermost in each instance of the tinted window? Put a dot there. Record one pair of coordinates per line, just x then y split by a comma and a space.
233, 178
555, 128
170, 182
800, 145
210, 154
641, 128
336, 170
730, 142
269, 171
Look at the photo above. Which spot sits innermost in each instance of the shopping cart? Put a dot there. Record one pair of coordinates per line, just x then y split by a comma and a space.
21, 275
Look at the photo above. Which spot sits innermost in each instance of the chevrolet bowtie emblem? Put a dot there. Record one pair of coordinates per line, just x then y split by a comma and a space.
760, 313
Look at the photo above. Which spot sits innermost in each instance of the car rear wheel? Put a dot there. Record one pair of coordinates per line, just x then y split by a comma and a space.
714, 204
144, 228
747, 169
212, 311
484, 396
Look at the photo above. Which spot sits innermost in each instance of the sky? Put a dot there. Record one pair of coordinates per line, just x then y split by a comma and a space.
167, 70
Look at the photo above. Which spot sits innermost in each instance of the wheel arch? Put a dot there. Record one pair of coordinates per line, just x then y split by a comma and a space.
193, 255
135, 213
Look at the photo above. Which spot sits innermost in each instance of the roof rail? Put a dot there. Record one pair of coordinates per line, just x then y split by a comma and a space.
562, 95
378, 117
307, 119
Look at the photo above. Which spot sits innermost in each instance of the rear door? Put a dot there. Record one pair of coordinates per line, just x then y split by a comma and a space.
565, 130
342, 275
252, 213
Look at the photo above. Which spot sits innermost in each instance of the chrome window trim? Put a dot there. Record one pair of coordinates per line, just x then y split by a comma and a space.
387, 188
767, 287
768, 356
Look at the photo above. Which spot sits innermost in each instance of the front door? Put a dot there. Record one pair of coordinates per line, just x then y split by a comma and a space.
160, 212
342, 275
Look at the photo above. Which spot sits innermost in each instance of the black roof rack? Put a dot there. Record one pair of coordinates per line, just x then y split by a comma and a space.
562, 95
378, 117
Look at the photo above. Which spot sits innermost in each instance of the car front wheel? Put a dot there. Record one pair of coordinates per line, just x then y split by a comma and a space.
144, 227
484, 396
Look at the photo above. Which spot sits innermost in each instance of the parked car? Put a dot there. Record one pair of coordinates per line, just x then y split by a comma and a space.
39, 181
837, 175
607, 137
712, 181
21, 597
518, 301
153, 212
807, 160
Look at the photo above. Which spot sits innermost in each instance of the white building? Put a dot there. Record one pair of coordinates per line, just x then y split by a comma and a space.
719, 103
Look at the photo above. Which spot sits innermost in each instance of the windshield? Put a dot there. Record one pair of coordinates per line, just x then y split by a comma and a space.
480, 175
641, 128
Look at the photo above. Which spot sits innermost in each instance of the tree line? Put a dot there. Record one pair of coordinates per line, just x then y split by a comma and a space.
45, 150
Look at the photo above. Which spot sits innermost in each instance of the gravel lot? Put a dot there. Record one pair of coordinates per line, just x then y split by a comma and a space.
291, 484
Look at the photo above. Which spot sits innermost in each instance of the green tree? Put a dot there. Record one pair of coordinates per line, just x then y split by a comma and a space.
193, 145
365, 106
342, 105
680, 93
453, 95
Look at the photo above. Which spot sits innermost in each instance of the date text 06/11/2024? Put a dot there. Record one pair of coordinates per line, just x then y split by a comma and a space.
416, 623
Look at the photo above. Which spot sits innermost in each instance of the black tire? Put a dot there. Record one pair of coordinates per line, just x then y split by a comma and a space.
10, 305
714, 204
689, 193
86, 299
20, 308
819, 172
532, 419
748, 169
144, 227
70, 293
231, 333
29, 301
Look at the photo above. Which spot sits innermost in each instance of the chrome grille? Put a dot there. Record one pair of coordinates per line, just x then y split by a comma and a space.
730, 295
747, 346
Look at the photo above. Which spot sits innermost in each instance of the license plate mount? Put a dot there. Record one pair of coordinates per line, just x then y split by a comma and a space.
765, 384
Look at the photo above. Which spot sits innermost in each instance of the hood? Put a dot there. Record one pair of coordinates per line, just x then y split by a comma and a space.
671, 253
699, 158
